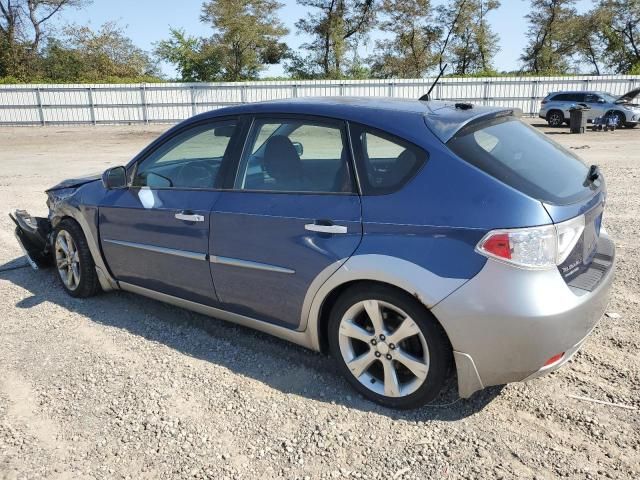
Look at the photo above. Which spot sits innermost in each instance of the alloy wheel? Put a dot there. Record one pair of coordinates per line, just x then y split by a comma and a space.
383, 348
67, 260
555, 119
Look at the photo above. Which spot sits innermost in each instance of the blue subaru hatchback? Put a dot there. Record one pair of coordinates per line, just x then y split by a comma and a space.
403, 237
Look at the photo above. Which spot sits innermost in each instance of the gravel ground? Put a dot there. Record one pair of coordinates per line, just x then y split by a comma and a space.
119, 386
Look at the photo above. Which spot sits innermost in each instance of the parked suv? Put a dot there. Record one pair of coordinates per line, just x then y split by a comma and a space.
402, 237
555, 107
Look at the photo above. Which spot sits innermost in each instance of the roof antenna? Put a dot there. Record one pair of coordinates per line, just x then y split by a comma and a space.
427, 96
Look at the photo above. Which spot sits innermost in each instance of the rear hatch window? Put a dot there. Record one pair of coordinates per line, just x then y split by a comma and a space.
520, 156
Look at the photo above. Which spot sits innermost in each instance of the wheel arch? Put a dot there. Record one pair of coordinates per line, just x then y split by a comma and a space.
63, 211
418, 282
332, 297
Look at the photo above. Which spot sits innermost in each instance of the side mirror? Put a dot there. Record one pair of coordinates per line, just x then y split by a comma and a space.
114, 178
602, 100
299, 148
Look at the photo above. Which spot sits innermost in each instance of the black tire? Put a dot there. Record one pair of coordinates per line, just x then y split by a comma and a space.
555, 118
622, 120
439, 349
88, 283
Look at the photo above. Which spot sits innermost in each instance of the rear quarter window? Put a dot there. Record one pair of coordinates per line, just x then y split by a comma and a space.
523, 158
385, 162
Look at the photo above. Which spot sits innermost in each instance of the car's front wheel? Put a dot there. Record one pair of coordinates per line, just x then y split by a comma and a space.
621, 119
73, 260
388, 346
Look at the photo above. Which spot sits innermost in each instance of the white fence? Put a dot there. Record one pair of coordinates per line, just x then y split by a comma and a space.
172, 102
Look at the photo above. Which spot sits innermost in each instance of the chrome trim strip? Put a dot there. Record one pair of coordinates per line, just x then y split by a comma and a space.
236, 262
303, 339
156, 249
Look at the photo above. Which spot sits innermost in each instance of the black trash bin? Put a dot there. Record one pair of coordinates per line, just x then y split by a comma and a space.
578, 118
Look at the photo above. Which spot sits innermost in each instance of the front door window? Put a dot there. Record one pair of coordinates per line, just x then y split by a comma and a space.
192, 159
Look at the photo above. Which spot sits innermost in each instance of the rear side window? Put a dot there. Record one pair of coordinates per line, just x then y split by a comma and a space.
523, 158
568, 97
385, 162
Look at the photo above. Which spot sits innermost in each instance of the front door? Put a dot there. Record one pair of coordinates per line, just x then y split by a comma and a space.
155, 233
596, 104
292, 214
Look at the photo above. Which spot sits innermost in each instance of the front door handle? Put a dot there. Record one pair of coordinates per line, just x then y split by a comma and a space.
325, 227
189, 216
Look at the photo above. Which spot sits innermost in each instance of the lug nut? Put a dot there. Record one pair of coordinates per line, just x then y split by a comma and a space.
389, 357
377, 354
374, 341
382, 337
392, 346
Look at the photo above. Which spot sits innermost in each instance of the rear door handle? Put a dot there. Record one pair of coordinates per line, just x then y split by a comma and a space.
188, 216
325, 227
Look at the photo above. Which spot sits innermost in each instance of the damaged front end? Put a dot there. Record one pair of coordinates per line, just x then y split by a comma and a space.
33, 235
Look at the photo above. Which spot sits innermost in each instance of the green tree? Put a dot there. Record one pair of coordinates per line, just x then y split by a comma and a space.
84, 55
473, 43
620, 22
23, 31
335, 28
551, 43
589, 32
197, 59
247, 35
410, 52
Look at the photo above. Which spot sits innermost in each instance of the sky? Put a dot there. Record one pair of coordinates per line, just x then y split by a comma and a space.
148, 21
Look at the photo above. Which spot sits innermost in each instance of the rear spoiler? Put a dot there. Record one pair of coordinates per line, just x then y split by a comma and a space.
447, 121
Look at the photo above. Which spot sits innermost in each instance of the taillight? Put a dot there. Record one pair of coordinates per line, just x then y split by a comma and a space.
554, 359
535, 247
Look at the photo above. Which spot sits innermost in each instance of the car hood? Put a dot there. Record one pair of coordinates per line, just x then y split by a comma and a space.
629, 96
75, 182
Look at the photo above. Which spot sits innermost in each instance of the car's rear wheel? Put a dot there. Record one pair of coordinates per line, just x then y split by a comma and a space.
388, 346
73, 260
555, 118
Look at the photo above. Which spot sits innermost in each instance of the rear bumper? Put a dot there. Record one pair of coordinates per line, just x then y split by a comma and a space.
506, 322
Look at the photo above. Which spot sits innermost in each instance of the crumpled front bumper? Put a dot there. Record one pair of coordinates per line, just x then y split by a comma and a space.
33, 235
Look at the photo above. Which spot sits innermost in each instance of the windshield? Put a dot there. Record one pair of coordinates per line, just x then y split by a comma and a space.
520, 156
608, 97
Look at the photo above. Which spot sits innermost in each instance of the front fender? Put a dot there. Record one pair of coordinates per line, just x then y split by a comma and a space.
68, 203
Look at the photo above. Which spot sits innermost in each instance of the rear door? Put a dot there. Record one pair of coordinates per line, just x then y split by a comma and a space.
292, 214
155, 233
